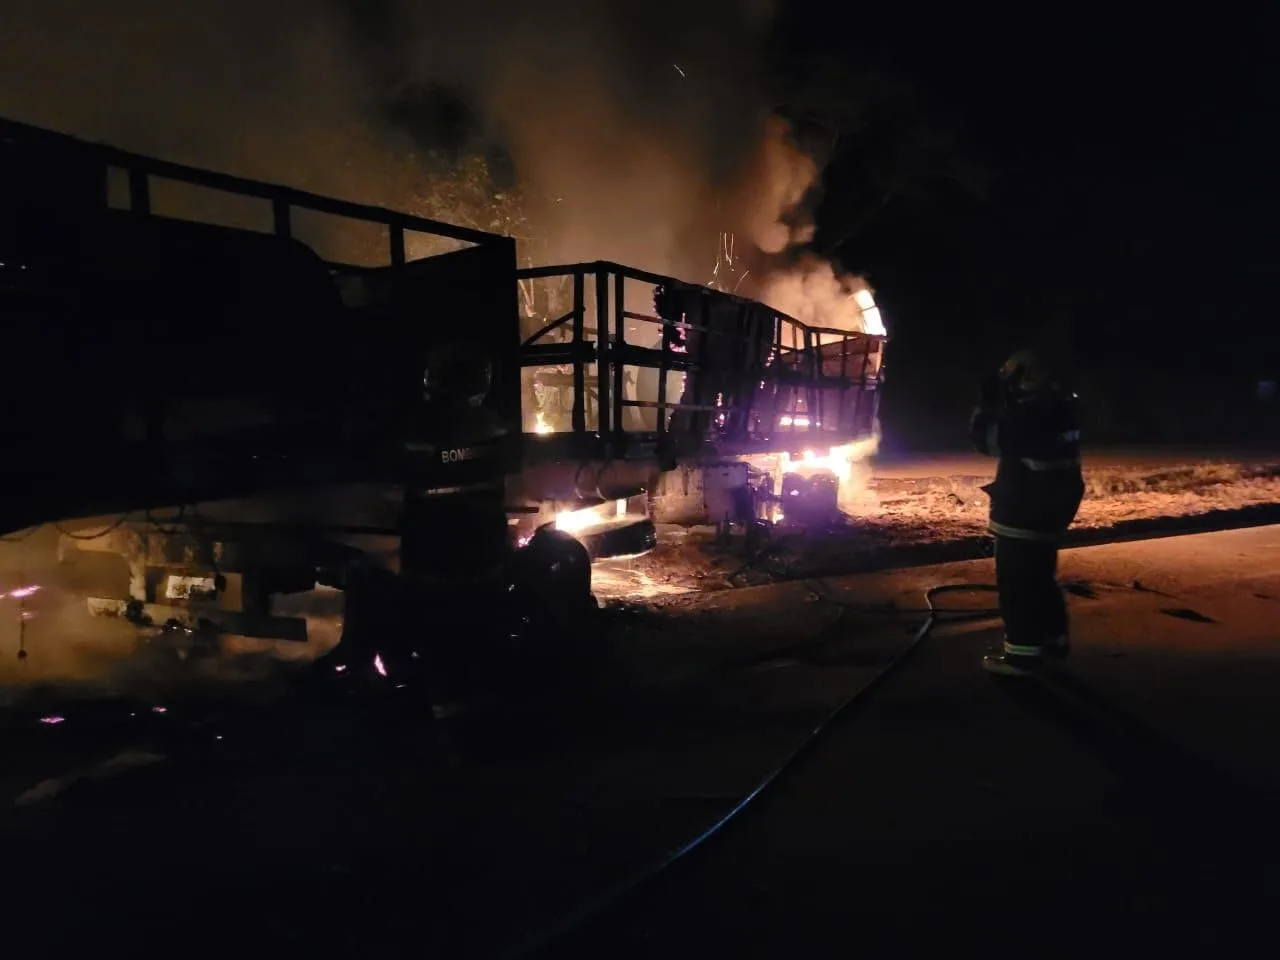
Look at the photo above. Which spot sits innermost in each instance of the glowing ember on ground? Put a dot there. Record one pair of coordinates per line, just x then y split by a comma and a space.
159, 709
340, 668
53, 720
379, 665
619, 578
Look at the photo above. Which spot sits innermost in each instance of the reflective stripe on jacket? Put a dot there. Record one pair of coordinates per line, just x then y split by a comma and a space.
1038, 485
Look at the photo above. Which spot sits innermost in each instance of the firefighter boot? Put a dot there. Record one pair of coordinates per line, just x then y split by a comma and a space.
1014, 660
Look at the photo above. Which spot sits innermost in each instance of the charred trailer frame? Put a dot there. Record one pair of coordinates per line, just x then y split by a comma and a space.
637, 374
755, 378
235, 372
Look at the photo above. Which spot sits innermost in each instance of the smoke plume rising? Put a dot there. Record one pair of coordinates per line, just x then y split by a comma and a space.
779, 182
811, 290
634, 131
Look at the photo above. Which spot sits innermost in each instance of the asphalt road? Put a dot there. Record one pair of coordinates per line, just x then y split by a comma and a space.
1127, 804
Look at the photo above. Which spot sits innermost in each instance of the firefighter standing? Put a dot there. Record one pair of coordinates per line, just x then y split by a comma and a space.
1028, 420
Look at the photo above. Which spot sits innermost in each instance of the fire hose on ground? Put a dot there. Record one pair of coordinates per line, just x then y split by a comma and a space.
599, 905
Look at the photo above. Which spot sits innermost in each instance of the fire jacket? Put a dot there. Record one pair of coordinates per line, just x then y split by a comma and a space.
1038, 485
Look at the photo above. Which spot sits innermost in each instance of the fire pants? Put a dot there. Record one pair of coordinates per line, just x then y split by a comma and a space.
1031, 601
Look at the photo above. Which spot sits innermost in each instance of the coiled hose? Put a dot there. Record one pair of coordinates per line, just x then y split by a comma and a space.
589, 910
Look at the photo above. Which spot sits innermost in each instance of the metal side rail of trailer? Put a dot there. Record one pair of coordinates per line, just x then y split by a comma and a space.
637, 366
159, 356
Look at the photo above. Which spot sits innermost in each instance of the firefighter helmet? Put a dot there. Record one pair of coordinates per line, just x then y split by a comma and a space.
1028, 372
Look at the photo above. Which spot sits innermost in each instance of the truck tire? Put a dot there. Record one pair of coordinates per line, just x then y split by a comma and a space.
551, 578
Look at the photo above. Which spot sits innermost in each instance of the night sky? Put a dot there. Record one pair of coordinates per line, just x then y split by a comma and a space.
1131, 209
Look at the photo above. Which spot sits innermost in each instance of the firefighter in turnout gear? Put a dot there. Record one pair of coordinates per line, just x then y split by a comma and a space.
1027, 419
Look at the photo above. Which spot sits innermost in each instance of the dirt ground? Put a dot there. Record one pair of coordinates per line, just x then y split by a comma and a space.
906, 515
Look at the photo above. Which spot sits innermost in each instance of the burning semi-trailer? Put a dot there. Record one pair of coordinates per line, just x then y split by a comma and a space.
438, 440
647, 397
